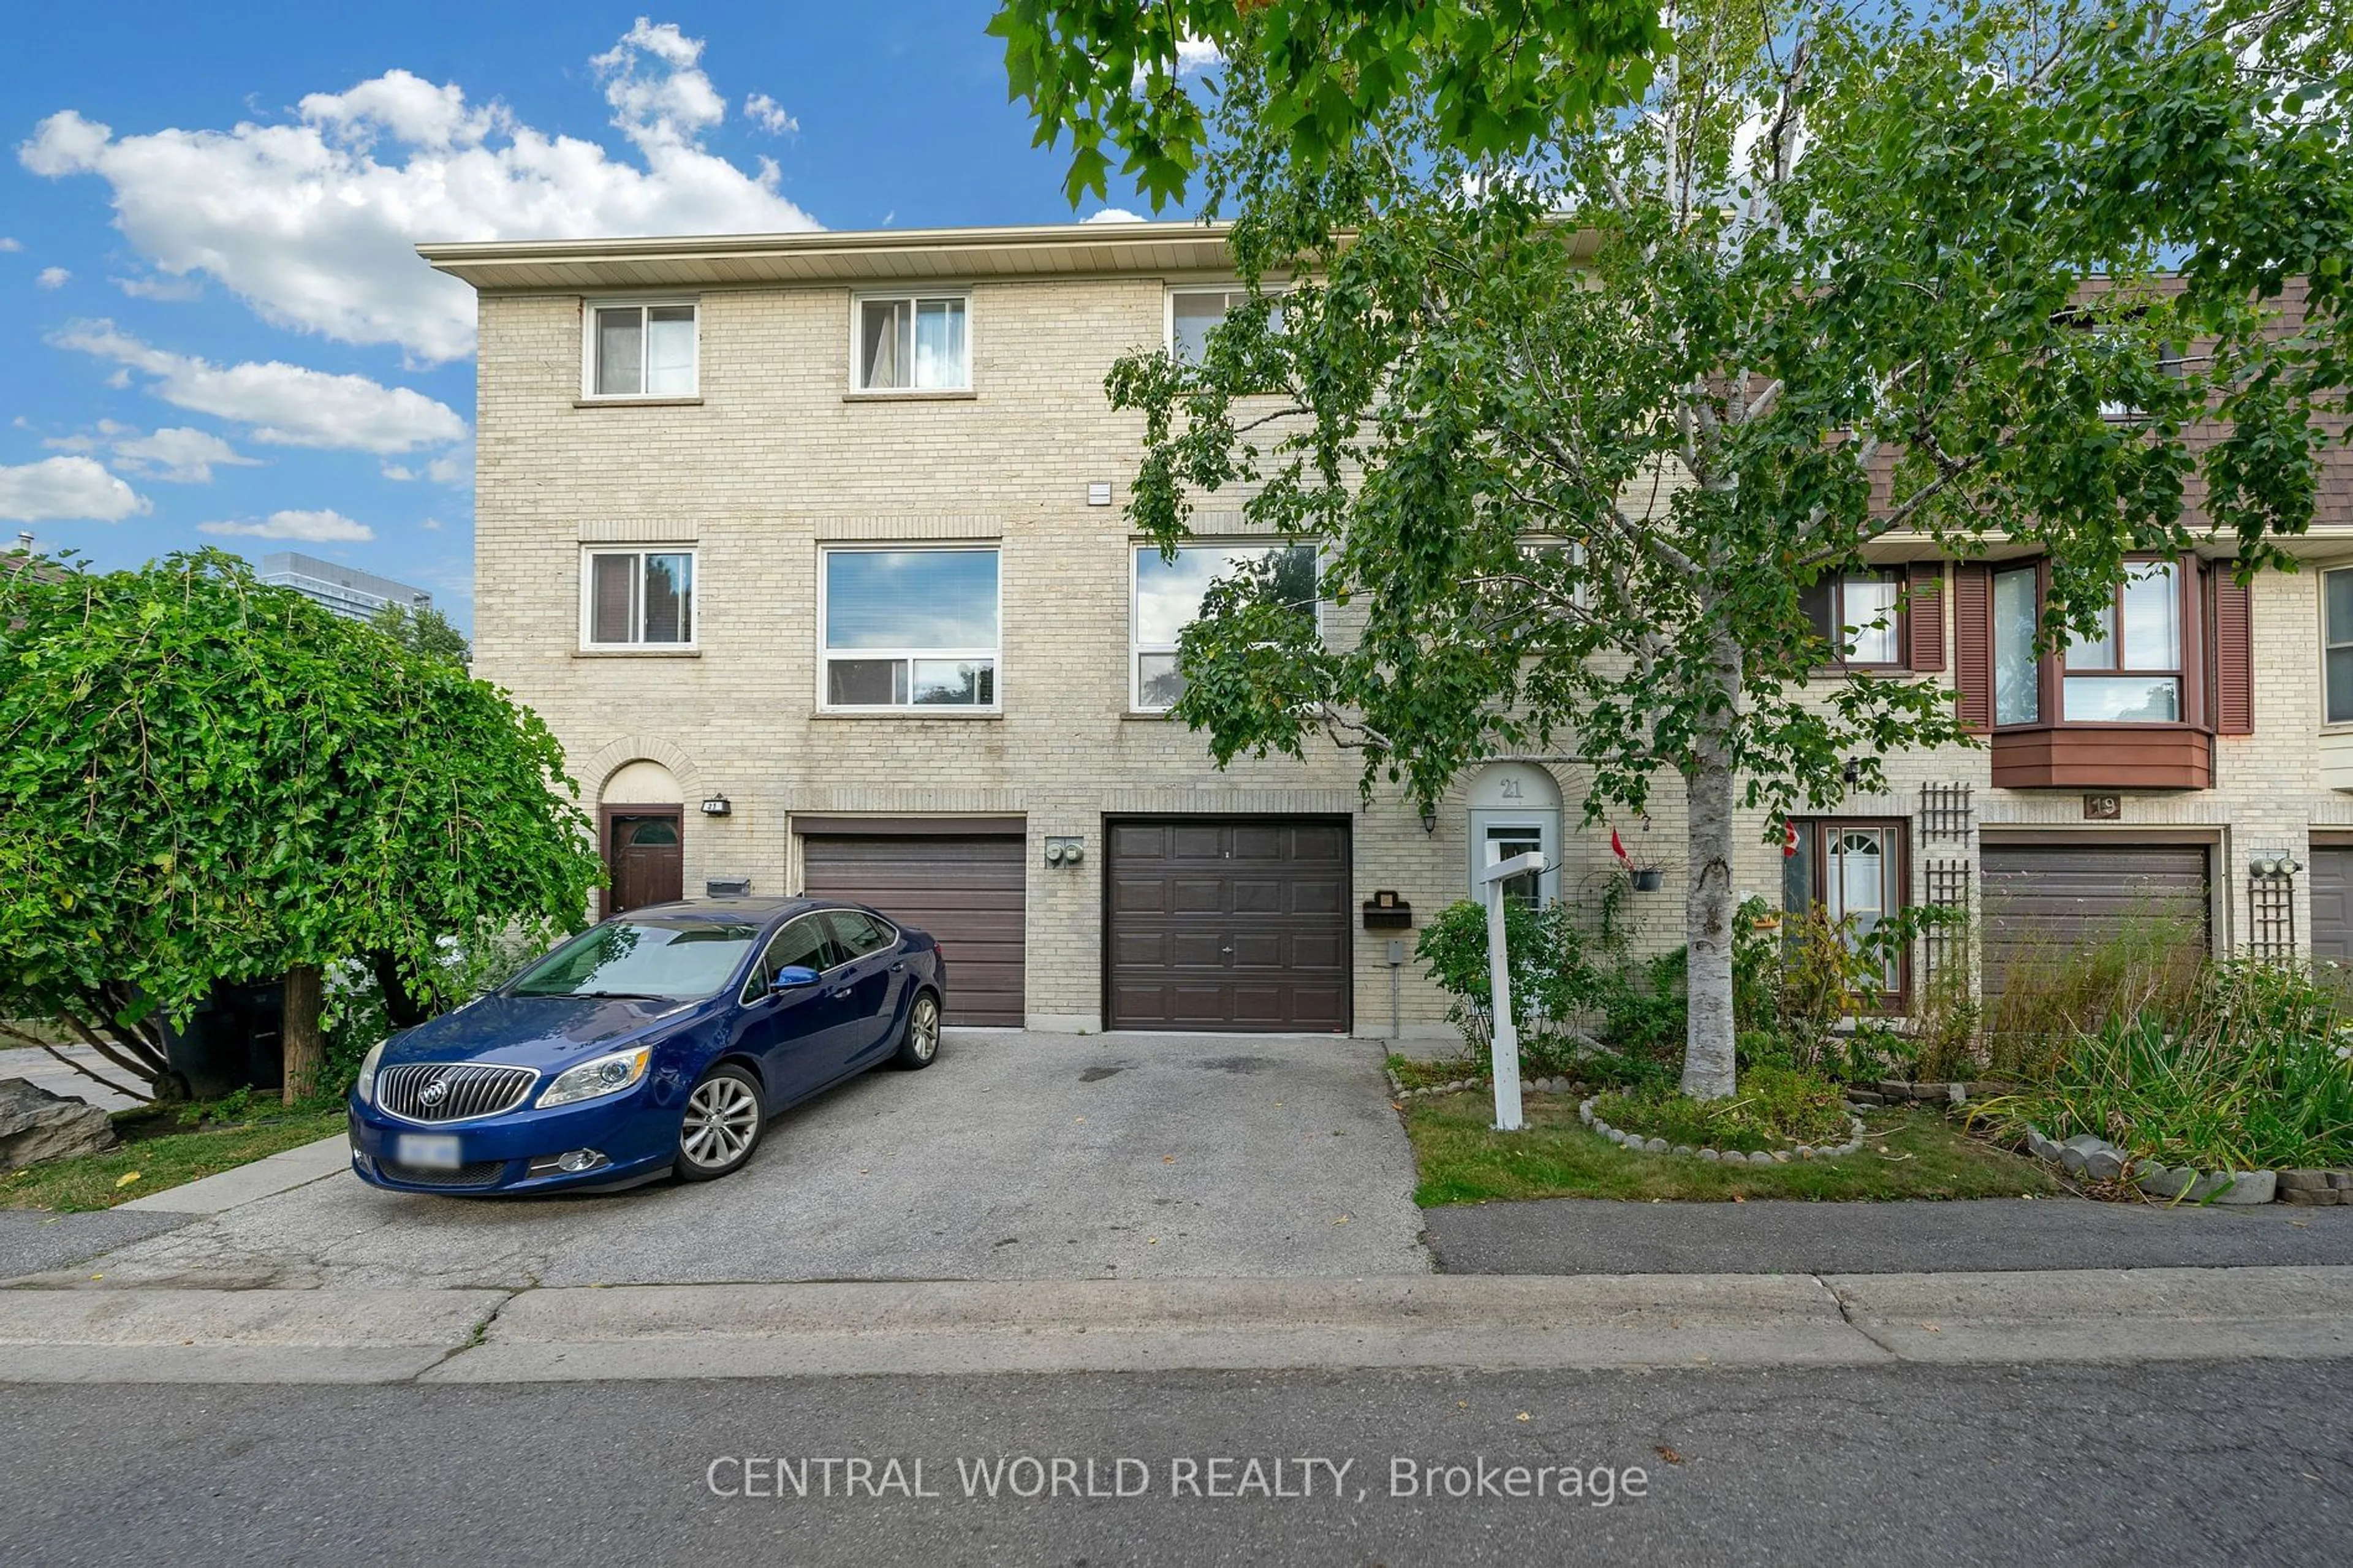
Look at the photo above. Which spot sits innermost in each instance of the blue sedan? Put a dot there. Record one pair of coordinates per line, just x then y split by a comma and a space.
661, 1040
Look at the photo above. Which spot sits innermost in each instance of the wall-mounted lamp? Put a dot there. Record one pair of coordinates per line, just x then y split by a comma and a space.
716, 805
1851, 775
2274, 863
1430, 820
1065, 851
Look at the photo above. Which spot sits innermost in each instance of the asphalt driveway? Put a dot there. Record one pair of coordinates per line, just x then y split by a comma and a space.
1015, 1156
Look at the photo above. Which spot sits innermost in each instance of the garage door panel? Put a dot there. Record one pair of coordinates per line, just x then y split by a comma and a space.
2041, 897
1252, 931
2332, 902
970, 893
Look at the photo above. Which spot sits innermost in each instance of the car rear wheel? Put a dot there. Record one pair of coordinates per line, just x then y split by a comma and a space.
722, 1126
919, 1046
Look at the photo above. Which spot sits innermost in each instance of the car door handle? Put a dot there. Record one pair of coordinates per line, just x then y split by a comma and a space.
843, 991
900, 967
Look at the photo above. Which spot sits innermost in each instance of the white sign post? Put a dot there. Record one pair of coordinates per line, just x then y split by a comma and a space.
1504, 1038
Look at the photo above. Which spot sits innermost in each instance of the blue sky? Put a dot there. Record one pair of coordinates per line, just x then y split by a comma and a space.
211, 328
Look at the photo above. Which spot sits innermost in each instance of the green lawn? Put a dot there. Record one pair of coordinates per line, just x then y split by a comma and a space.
1905, 1153
164, 1154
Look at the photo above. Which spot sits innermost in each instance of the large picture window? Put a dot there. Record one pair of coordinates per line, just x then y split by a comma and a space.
2017, 674
1858, 614
638, 598
642, 351
910, 628
1168, 599
2131, 672
2336, 644
913, 345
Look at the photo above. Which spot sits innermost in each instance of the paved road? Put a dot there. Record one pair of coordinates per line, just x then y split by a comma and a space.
2246, 1463
46, 1070
1015, 1156
1574, 1235
33, 1240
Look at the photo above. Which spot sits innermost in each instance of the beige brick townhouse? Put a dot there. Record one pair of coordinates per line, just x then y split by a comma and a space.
810, 548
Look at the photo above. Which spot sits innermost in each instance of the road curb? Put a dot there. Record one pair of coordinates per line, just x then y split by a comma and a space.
1442, 1322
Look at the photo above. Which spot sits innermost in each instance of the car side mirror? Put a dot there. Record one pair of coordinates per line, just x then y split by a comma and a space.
792, 977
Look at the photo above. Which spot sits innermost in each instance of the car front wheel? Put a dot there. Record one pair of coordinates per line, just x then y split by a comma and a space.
721, 1125
920, 1045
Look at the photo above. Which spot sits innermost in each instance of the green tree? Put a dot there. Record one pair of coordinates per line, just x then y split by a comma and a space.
424, 631
205, 780
1581, 406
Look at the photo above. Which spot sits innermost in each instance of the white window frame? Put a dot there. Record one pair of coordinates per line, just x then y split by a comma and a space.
1137, 647
910, 708
588, 555
916, 297
591, 304
1168, 305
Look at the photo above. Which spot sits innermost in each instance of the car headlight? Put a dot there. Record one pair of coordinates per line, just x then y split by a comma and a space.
365, 1085
593, 1080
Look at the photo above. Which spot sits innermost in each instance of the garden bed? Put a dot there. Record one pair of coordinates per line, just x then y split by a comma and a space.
160, 1149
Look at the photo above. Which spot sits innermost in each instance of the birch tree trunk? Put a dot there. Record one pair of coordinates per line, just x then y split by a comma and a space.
1708, 1069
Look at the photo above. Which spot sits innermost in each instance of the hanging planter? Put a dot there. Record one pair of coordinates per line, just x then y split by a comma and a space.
1648, 879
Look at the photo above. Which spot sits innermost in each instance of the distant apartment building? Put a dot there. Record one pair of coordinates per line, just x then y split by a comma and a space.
346, 590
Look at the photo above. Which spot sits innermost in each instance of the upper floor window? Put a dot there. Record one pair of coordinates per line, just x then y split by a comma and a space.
910, 628
913, 344
634, 598
641, 351
2336, 644
2131, 672
1857, 615
1168, 599
1194, 313
2016, 676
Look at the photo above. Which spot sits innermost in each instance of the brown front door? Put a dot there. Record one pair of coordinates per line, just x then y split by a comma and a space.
644, 852
1228, 923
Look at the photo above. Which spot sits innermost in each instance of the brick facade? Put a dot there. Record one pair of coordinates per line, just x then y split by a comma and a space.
777, 458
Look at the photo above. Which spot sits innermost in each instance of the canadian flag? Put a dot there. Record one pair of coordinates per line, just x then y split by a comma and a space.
1617, 848
1789, 840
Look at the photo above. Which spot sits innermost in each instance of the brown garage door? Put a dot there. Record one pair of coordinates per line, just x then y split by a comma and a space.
2038, 896
2332, 902
965, 888
1228, 923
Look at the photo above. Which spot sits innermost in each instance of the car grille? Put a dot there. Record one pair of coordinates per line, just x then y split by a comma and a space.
451, 1091
477, 1173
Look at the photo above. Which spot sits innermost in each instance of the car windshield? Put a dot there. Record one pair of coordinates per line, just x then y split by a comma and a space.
670, 962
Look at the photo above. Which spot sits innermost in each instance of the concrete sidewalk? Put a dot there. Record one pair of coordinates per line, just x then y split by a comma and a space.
132, 1335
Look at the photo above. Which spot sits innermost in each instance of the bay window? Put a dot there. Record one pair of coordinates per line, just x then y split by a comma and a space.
638, 598
2017, 674
913, 344
2130, 671
909, 628
641, 351
1168, 599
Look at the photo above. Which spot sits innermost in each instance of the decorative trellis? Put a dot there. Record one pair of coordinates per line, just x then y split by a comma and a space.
1947, 887
2271, 908
1946, 813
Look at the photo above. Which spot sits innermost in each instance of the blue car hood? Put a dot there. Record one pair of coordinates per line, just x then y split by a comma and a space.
539, 1031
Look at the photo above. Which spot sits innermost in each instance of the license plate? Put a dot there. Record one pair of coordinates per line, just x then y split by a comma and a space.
430, 1152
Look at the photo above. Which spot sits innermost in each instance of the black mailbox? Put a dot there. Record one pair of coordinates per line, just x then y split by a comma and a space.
1386, 911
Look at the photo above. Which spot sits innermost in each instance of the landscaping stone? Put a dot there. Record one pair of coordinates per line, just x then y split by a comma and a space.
1656, 1145
1711, 1156
2038, 1146
2104, 1164
36, 1124
2305, 1181
1686, 1149
1864, 1096
2072, 1159
2249, 1187
2160, 1183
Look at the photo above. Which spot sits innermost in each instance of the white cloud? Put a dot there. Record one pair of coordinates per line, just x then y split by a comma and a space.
178, 453
313, 223
52, 277
9, 243
1114, 214
1196, 55
165, 288
305, 527
286, 405
61, 488
769, 115
431, 525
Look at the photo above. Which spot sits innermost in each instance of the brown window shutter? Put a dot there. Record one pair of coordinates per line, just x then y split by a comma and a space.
1973, 645
2234, 656
1924, 615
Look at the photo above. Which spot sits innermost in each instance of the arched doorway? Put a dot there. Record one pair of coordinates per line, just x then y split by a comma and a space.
641, 832
1515, 807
